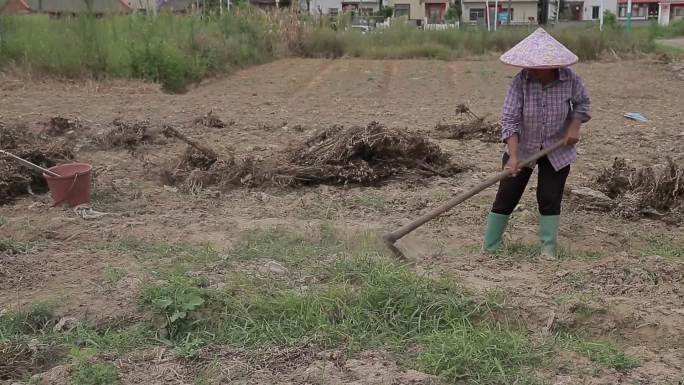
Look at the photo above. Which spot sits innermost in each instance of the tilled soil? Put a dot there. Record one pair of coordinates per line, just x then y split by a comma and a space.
620, 291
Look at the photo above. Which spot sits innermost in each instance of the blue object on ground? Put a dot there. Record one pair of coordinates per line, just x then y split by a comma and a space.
636, 116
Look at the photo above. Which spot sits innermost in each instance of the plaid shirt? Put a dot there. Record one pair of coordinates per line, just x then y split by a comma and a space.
540, 114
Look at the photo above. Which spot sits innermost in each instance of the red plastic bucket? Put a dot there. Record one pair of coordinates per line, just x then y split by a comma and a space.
73, 184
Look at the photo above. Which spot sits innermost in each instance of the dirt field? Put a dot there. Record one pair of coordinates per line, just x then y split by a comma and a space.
617, 282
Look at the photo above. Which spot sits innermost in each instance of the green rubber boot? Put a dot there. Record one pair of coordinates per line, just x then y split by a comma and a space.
493, 237
548, 235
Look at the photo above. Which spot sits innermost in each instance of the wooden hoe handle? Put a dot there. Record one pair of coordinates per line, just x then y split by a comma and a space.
391, 237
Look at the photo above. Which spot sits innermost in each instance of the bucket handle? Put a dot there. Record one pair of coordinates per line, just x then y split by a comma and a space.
67, 193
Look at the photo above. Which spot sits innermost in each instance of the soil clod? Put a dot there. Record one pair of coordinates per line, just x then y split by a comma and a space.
469, 125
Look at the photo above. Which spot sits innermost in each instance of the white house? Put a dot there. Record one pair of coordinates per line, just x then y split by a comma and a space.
521, 12
322, 7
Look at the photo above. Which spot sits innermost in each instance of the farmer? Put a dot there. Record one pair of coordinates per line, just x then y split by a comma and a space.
546, 102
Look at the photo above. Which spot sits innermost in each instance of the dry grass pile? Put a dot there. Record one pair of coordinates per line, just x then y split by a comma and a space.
19, 359
649, 191
358, 155
368, 155
210, 120
128, 135
17, 180
468, 126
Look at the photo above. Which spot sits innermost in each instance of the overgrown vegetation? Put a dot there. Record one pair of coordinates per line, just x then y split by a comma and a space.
177, 50
172, 50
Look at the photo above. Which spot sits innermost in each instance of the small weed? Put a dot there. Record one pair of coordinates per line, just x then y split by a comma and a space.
112, 275
3, 221
88, 373
106, 200
374, 201
665, 247
600, 352
37, 318
9, 246
573, 279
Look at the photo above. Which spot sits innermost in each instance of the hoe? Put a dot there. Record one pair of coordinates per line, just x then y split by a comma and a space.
392, 237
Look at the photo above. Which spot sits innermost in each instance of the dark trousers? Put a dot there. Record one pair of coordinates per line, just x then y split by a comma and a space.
551, 184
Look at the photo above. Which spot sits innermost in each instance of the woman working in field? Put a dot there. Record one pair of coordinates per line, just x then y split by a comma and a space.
546, 102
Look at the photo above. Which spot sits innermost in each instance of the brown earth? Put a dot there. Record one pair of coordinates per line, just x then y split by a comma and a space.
624, 293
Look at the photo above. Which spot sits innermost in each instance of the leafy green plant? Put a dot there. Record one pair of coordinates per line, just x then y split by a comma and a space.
176, 307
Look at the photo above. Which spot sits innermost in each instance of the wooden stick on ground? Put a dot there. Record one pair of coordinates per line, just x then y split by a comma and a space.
169, 131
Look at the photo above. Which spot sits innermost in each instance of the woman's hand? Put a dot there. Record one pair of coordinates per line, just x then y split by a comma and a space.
572, 136
513, 165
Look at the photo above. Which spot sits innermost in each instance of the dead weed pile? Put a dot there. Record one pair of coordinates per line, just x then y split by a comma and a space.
128, 135
651, 191
337, 155
210, 120
21, 358
469, 126
60, 125
17, 180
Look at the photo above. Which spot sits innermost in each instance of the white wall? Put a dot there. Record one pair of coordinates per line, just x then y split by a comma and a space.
608, 5
324, 4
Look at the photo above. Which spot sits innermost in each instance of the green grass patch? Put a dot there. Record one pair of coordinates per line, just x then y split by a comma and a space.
481, 355
665, 247
365, 302
38, 318
374, 201
3, 221
11, 246
106, 200
88, 373
602, 353
112, 275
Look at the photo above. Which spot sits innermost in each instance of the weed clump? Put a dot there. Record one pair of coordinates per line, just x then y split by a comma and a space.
652, 191
210, 120
128, 135
468, 125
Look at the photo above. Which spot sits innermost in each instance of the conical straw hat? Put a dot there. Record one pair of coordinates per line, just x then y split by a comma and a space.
539, 50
